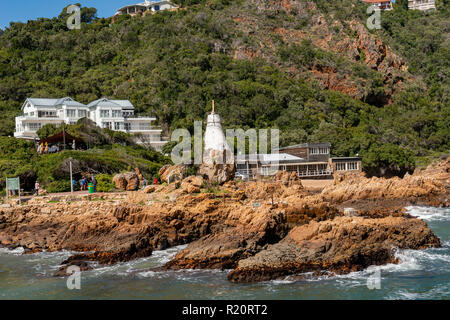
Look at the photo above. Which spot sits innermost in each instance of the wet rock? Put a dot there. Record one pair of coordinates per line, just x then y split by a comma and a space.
341, 245
64, 272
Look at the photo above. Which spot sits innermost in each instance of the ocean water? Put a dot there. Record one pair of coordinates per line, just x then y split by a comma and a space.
420, 275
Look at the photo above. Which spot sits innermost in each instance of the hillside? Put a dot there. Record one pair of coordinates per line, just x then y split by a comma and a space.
308, 67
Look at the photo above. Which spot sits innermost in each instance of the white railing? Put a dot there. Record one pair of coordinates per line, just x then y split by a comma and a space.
308, 173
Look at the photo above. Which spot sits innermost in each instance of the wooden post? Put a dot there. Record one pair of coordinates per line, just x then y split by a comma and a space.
20, 202
213, 107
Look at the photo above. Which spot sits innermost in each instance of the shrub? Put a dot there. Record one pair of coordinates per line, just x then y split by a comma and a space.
104, 183
58, 186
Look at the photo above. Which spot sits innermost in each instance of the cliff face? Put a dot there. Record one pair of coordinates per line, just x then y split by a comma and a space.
349, 51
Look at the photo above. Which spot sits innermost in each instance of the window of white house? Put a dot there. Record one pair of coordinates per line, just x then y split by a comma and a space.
144, 126
82, 113
323, 150
127, 126
116, 125
46, 114
314, 150
116, 113
34, 126
107, 125
127, 113
71, 113
104, 113
340, 166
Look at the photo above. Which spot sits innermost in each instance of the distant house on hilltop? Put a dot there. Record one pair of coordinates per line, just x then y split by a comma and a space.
421, 5
147, 6
380, 4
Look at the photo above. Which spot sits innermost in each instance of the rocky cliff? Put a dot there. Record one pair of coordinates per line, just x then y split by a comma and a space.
262, 229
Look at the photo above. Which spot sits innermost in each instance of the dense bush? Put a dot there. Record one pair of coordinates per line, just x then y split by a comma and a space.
58, 186
104, 183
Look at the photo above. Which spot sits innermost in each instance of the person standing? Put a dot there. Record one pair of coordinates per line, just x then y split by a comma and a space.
144, 183
94, 183
36, 188
156, 180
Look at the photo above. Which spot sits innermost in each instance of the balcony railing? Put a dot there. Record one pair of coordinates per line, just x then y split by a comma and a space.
261, 171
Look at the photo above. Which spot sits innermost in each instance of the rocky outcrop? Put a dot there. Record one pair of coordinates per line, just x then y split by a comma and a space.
429, 186
216, 172
288, 178
341, 245
264, 229
169, 173
128, 181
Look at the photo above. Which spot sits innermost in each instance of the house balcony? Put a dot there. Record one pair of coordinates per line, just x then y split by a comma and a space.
52, 119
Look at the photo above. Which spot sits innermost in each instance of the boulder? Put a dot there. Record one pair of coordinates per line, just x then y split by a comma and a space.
128, 181
172, 173
120, 181
287, 178
341, 245
192, 184
132, 181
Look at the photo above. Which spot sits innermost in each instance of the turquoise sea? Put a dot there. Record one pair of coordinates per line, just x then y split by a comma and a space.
420, 275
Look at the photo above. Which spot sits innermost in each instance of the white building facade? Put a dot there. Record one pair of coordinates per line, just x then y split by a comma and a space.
148, 5
421, 5
117, 115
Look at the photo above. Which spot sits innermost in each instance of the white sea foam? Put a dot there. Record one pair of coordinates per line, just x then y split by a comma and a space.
17, 251
429, 213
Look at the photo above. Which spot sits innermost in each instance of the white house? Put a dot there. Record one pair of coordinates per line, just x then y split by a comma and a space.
421, 5
117, 115
148, 5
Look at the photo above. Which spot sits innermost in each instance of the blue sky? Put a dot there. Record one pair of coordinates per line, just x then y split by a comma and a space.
24, 10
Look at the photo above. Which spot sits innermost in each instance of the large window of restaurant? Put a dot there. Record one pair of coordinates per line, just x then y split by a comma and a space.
352, 166
347, 166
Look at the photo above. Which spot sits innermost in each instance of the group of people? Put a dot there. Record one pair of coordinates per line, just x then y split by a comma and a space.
84, 182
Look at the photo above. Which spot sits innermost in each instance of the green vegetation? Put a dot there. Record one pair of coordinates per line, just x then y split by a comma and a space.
18, 158
172, 64
104, 183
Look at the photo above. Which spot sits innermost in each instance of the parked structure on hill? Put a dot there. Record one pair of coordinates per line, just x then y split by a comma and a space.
147, 6
308, 160
117, 115
421, 5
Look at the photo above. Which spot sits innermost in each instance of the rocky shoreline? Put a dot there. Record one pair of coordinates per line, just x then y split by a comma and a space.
262, 230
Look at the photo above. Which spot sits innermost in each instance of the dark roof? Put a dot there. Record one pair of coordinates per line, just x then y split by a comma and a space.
345, 158
59, 138
309, 145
